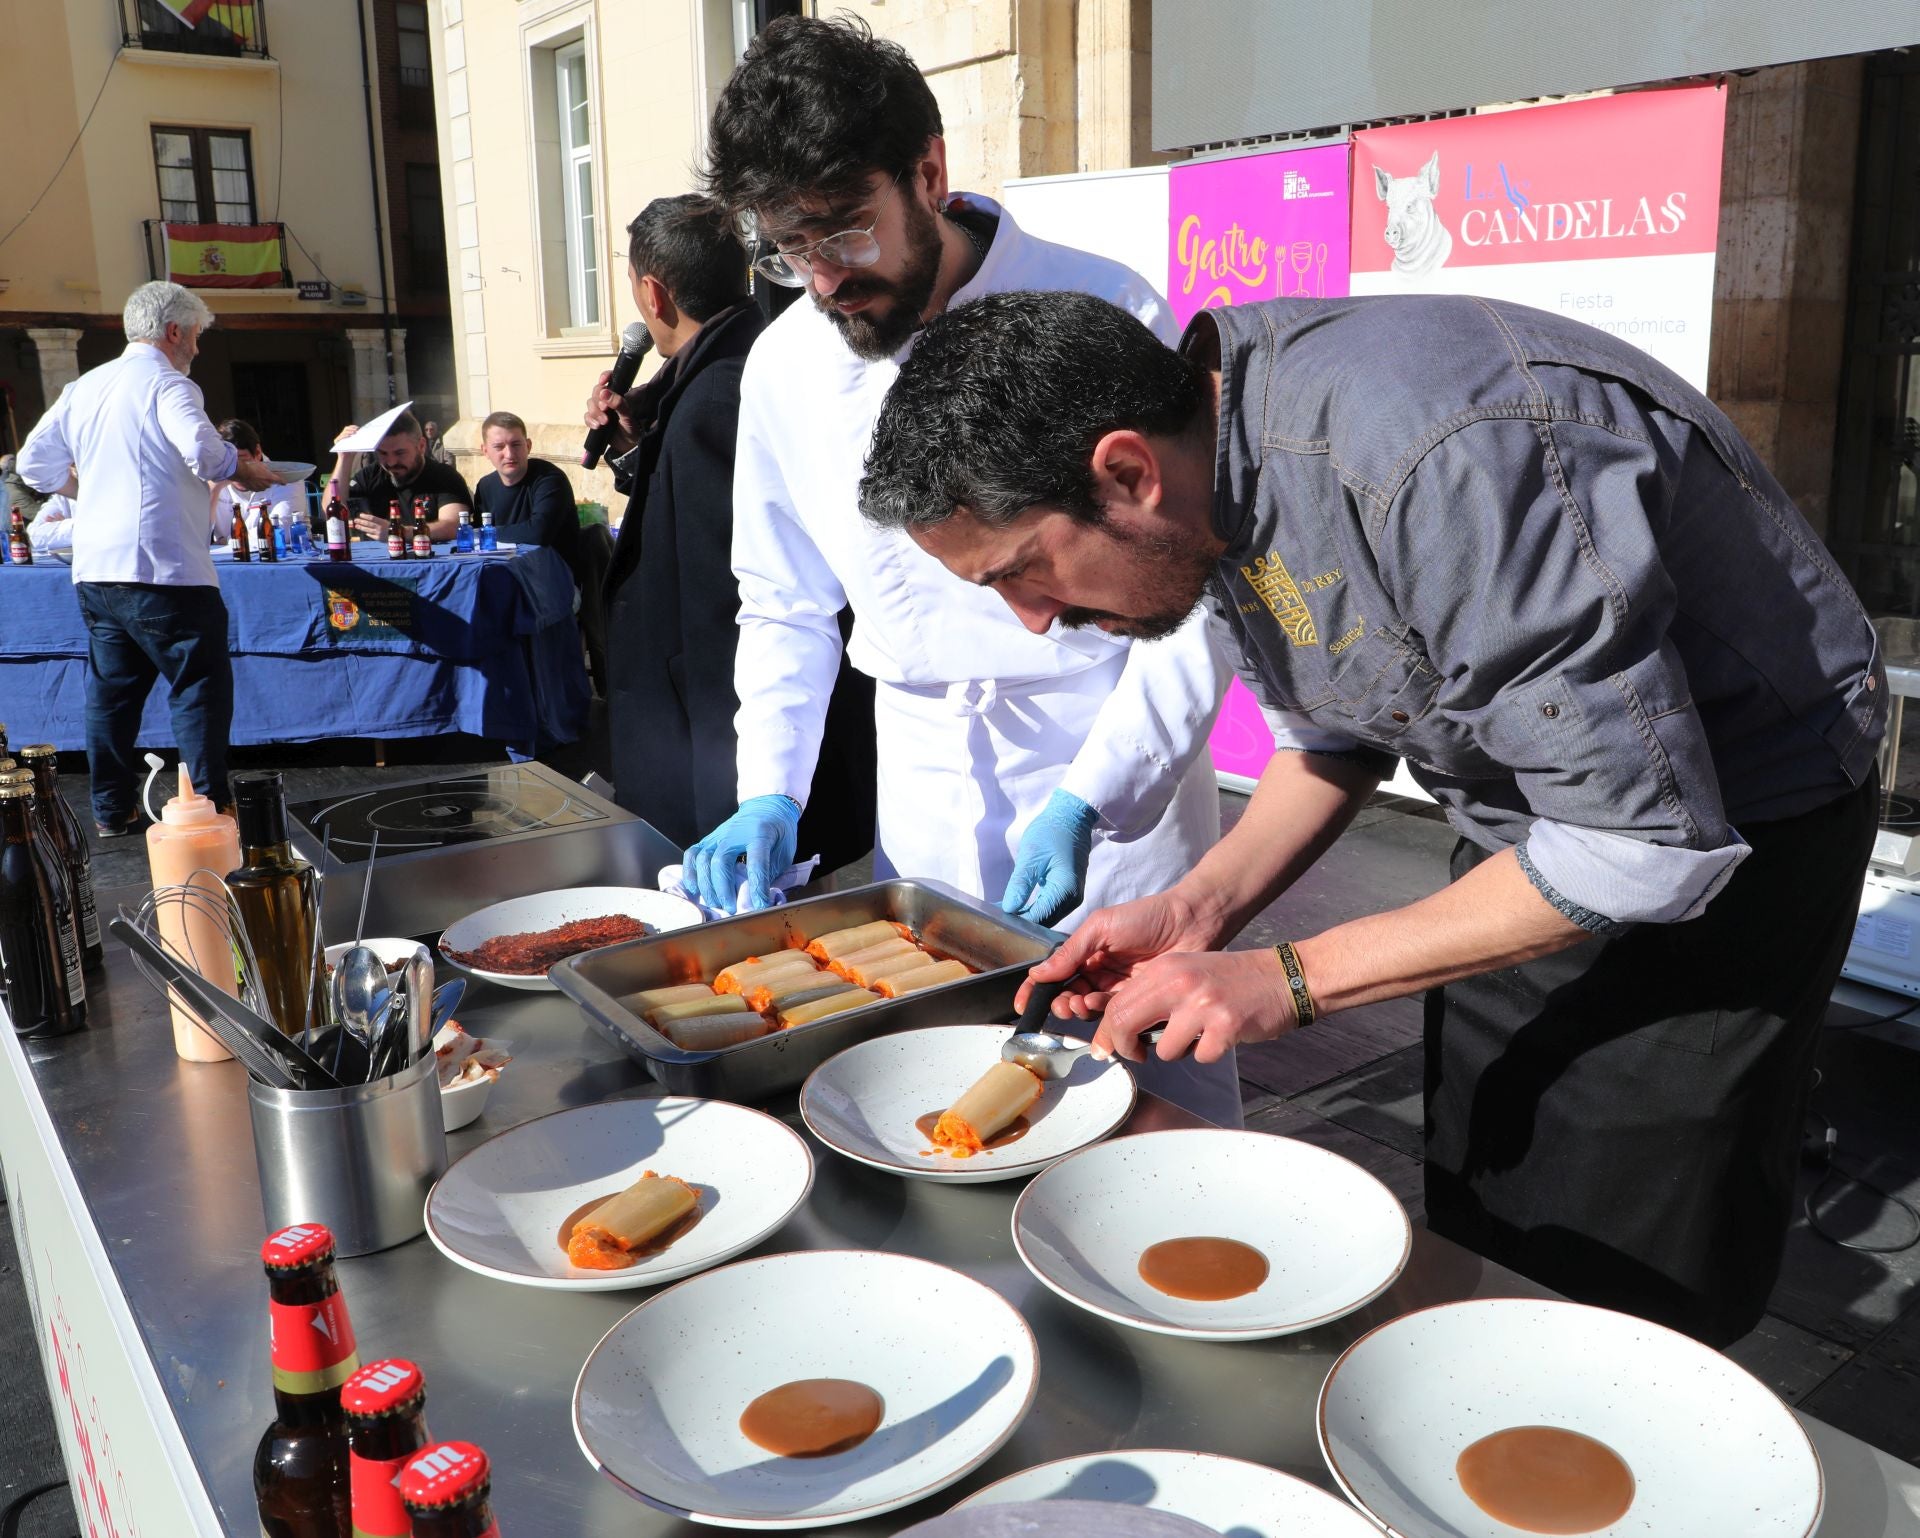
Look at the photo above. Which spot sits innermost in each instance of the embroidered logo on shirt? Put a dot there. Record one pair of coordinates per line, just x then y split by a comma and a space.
1275, 587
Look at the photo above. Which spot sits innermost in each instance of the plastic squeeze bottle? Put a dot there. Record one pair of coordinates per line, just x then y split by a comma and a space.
193, 844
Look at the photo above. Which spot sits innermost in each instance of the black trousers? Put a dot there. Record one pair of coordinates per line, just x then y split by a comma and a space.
1621, 1121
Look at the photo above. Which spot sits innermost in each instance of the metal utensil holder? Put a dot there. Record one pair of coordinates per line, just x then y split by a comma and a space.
360, 1159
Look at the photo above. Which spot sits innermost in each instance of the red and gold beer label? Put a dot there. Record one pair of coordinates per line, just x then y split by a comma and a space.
378, 1511
313, 1345
444, 1474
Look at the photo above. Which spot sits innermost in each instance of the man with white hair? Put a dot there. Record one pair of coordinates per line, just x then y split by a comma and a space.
135, 433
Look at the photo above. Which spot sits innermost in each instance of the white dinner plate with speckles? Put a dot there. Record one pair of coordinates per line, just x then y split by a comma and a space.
1713, 1453
501, 1209
657, 1407
866, 1101
1224, 1495
1334, 1238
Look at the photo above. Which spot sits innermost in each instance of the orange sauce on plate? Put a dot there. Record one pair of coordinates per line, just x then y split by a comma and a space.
813, 1417
1543, 1479
1203, 1270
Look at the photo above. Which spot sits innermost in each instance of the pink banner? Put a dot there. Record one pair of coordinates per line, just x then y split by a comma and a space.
1272, 226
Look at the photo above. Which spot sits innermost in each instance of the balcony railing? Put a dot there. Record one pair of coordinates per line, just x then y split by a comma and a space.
232, 29
236, 257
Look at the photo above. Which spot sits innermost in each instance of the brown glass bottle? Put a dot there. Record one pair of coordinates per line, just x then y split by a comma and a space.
274, 891
64, 829
423, 526
19, 549
34, 965
448, 1491
300, 1467
386, 1405
56, 921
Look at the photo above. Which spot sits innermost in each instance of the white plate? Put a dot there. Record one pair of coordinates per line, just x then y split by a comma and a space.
864, 1103
1713, 1453
1334, 1237
291, 469
500, 1208
658, 1403
1224, 1495
549, 910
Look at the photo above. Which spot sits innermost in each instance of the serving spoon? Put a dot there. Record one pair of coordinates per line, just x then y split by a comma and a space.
1044, 1053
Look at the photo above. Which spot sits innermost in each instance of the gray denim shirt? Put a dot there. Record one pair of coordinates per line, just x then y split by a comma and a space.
1548, 574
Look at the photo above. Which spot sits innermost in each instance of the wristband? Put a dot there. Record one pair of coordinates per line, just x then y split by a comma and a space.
1303, 1006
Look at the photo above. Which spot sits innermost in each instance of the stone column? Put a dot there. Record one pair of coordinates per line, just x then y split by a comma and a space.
59, 350
370, 370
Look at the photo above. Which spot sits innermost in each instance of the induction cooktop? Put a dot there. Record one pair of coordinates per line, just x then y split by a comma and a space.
512, 801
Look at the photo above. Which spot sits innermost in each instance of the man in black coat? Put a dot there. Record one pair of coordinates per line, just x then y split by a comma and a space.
672, 599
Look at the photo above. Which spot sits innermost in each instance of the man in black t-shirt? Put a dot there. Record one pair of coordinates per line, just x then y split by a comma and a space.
403, 470
531, 499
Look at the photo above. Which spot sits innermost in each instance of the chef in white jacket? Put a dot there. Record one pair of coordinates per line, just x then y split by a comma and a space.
1056, 773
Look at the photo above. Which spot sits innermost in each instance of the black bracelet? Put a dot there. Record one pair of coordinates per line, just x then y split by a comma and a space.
1303, 1006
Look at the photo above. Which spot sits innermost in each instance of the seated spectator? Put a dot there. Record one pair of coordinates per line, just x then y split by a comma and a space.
437, 449
402, 470
531, 499
18, 493
228, 497
51, 532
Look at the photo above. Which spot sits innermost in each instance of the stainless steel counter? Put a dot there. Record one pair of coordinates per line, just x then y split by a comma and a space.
161, 1155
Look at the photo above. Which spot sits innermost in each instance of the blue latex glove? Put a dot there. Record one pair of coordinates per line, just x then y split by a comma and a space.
1050, 868
764, 833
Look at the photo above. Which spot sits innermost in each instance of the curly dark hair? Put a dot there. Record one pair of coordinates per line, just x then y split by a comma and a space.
812, 111
999, 406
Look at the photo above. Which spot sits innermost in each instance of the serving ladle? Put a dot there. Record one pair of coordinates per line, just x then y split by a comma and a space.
1042, 1052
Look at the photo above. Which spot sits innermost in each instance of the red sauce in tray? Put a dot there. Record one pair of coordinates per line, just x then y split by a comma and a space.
533, 953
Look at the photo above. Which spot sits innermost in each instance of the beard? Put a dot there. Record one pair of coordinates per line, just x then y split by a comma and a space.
1170, 572
875, 333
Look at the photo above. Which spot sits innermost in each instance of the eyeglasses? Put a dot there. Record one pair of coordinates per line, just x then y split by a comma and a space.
849, 248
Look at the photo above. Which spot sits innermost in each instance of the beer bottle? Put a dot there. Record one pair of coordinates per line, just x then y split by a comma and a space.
18, 550
386, 1425
447, 1489
337, 547
396, 537
63, 829
34, 972
422, 526
300, 1467
263, 540
237, 535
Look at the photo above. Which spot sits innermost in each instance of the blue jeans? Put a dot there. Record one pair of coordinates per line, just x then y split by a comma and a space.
137, 633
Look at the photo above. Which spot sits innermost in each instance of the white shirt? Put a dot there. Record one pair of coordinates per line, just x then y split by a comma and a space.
802, 551
233, 496
136, 429
51, 531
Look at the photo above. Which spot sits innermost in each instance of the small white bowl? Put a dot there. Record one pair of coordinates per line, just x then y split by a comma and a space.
1713, 1453
461, 1104
864, 1102
549, 910
1223, 1495
657, 1406
1334, 1237
392, 953
500, 1209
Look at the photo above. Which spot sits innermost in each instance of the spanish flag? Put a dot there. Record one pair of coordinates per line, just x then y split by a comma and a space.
224, 255
237, 16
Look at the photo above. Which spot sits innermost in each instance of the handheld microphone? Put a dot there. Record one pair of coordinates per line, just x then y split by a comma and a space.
635, 343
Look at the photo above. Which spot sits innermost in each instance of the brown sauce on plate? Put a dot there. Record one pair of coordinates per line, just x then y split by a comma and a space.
813, 1417
1543, 1479
646, 1251
1012, 1133
1203, 1270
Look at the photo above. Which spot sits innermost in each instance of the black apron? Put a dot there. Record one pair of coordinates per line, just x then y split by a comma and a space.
1621, 1121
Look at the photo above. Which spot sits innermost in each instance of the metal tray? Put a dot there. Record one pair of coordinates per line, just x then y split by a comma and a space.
1000, 947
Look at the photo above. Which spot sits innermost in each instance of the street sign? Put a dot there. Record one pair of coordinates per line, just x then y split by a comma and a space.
320, 290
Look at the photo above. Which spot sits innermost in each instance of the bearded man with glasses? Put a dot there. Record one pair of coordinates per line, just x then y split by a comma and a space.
1053, 773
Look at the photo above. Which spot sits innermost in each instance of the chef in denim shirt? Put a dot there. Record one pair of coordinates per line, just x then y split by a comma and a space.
1533, 564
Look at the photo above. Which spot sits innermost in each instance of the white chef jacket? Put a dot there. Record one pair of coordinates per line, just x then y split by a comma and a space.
136, 429
802, 551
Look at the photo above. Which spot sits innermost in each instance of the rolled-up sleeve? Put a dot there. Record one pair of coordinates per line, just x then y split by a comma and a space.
1525, 556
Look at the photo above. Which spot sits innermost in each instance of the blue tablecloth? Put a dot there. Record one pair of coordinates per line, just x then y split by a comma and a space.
379, 648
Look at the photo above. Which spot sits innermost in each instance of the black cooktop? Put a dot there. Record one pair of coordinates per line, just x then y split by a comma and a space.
507, 802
